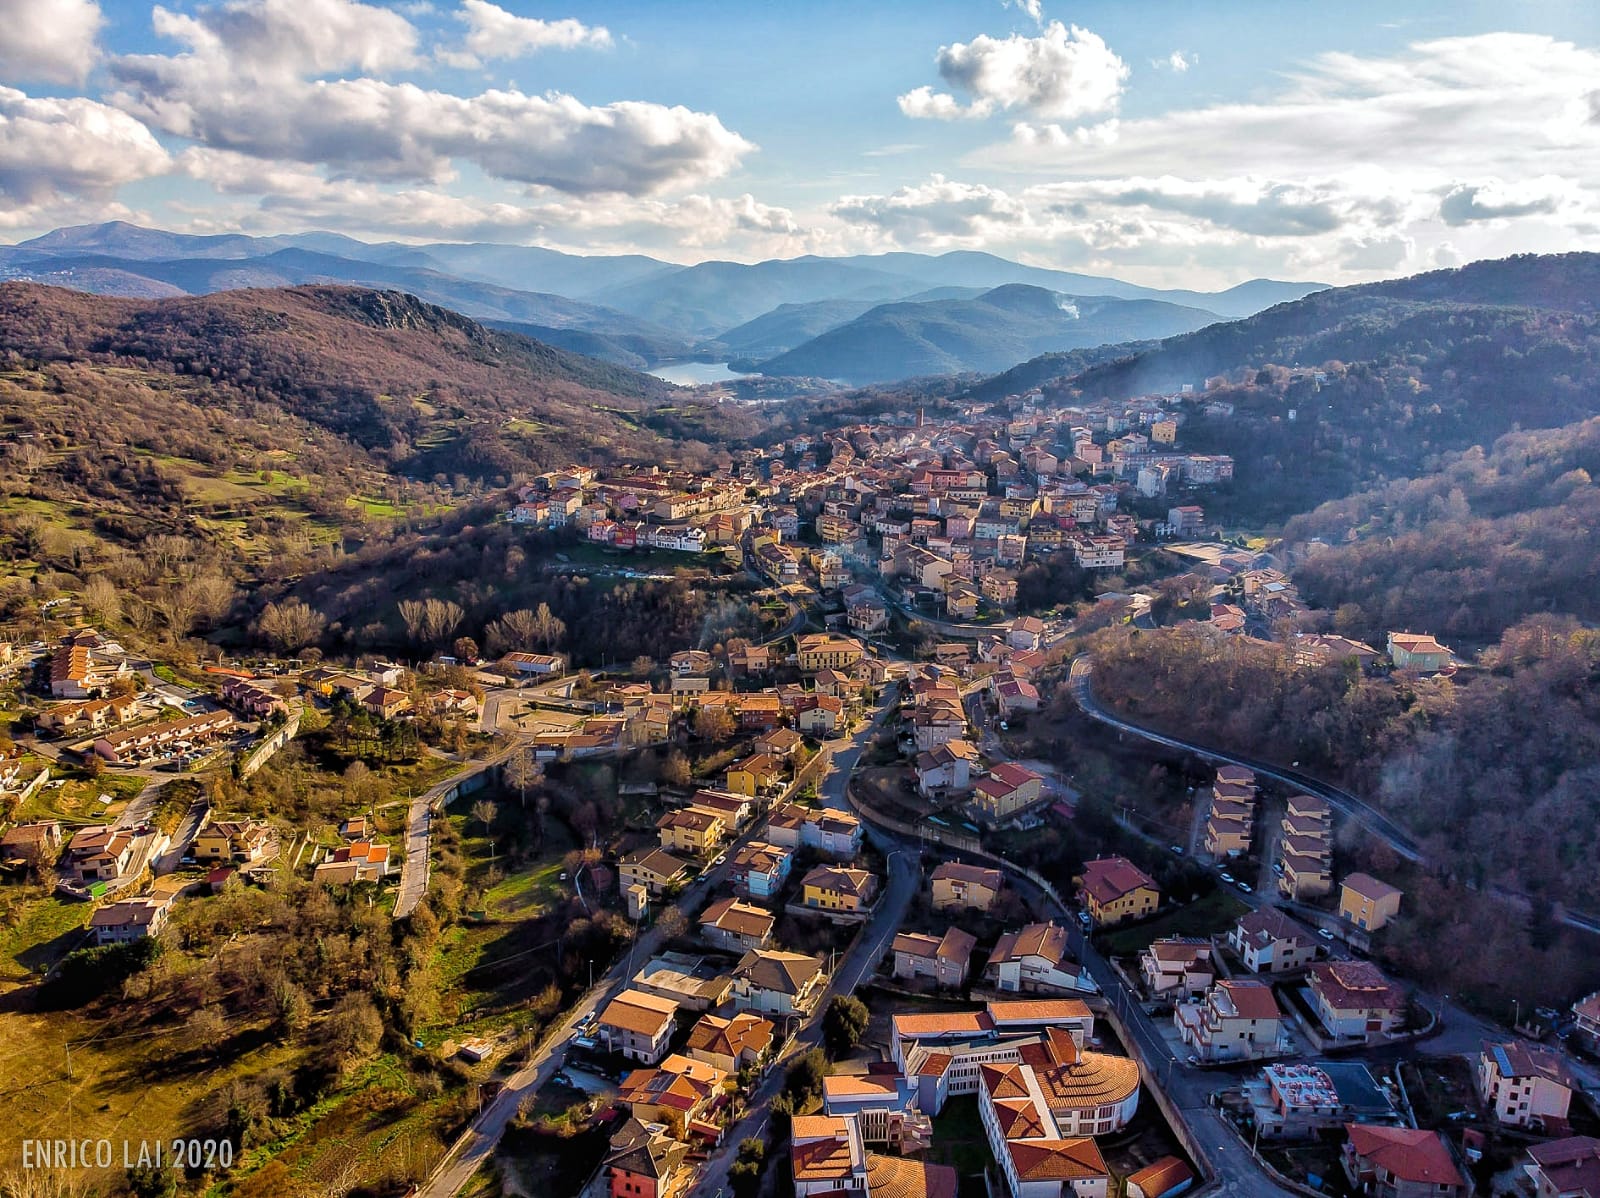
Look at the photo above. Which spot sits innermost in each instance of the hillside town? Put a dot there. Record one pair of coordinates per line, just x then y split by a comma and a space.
838, 978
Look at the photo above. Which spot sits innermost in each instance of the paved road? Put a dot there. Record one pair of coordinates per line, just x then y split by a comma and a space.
188, 829
469, 1152
905, 878
1355, 808
419, 829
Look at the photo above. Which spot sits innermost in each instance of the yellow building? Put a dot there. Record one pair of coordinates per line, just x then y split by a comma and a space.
824, 651
1114, 889
962, 601
834, 888
699, 833
754, 775
1367, 902
1164, 432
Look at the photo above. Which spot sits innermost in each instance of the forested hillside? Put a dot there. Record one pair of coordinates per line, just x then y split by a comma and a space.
1468, 550
1494, 772
420, 390
1414, 369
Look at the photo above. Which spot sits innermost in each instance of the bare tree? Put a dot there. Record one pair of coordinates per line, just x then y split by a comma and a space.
523, 771
547, 628
101, 597
484, 811
290, 625
413, 613
441, 618
212, 594
514, 630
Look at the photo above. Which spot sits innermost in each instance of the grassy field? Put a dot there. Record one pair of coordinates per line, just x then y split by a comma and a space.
77, 799
1216, 912
36, 930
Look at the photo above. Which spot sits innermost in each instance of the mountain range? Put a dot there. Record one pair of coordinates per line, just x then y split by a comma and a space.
984, 333
632, 309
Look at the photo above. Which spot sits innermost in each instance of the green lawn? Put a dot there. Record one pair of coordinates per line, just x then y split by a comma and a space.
1216, 912
36, 933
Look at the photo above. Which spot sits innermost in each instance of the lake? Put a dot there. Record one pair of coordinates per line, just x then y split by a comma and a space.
692, 374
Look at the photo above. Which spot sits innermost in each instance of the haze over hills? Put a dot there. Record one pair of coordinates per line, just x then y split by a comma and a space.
1412, 368
978, 334
630, 309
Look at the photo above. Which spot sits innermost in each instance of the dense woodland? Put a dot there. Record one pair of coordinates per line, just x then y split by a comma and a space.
1467, 550
1494, 771
423, 390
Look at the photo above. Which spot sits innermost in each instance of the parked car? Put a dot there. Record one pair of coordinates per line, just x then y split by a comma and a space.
1324, 933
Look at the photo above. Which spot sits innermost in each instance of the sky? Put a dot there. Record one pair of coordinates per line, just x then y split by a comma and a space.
1171, 144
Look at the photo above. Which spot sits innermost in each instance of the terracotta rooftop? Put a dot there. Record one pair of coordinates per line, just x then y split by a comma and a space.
1417, 1156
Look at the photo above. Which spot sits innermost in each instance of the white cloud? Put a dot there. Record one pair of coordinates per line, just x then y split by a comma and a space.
48, 41
939, 212
1062, 74
249, 82
1034, 8
492, 32
1498, 200
1439, 112
52, 149
1177, 62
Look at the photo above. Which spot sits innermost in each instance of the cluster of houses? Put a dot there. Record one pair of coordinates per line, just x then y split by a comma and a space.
1033, 959
838, 676
951, 511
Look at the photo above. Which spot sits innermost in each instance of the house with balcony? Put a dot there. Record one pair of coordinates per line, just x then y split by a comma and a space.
1565, 1168
1525, 1085
839, 890
1419, 652
1177, 967
638, 1025
777, 983
740, 1042
1367, 902
1239, 1021
759, 870
655, 869
1355, 1001
645, 1162
956, 886
827, 1157
732, 924
1035, 960
691, 832
1007, 790
1268, 941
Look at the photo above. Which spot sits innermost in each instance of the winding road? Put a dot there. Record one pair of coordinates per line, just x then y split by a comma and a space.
1351, 806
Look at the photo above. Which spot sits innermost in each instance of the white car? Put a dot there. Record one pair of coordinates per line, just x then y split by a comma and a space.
1324, 933
1225, 876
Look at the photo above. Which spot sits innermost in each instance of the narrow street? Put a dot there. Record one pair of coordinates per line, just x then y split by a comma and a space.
475, 1147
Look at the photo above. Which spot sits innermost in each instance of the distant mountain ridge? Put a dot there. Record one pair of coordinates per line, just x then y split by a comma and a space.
631, 309
977, 334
